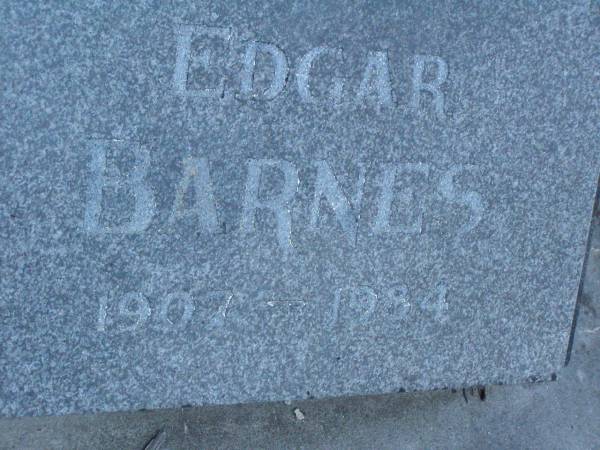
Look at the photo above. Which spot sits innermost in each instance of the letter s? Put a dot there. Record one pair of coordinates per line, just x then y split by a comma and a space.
470, 199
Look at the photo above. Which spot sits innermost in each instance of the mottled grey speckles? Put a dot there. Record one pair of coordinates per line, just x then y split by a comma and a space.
248, 202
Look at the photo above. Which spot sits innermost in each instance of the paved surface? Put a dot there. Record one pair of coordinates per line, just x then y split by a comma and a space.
560, 414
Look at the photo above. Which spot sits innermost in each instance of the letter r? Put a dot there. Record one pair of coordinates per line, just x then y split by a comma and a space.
278, 204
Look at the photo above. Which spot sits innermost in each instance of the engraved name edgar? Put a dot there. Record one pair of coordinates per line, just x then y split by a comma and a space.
429, 72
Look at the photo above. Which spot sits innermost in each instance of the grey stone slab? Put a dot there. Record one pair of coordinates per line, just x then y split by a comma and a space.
561, 414
209, 204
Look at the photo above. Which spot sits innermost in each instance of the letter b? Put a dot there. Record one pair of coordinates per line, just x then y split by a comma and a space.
144, 205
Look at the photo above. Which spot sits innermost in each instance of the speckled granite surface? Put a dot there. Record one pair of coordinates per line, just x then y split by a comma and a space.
220, 204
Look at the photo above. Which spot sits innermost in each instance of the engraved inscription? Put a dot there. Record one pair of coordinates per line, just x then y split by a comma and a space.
134, 310
184, 35
186, 303
175, 311
451, 188
326, 186
374, 87
357, 304
382, 219
304, 72
436, 304
376, 78
196, 173
470, 199
134, 183
434, 86
280, 70
351, 306
278, 204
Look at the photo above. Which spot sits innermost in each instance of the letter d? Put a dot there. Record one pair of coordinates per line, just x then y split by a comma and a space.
280, 70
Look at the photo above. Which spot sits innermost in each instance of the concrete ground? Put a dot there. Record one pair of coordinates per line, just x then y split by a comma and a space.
553, 415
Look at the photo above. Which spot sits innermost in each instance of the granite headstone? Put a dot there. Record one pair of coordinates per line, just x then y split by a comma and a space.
207, 203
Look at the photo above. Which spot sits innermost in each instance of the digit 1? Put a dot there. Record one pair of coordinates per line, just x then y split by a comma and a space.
101, 325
